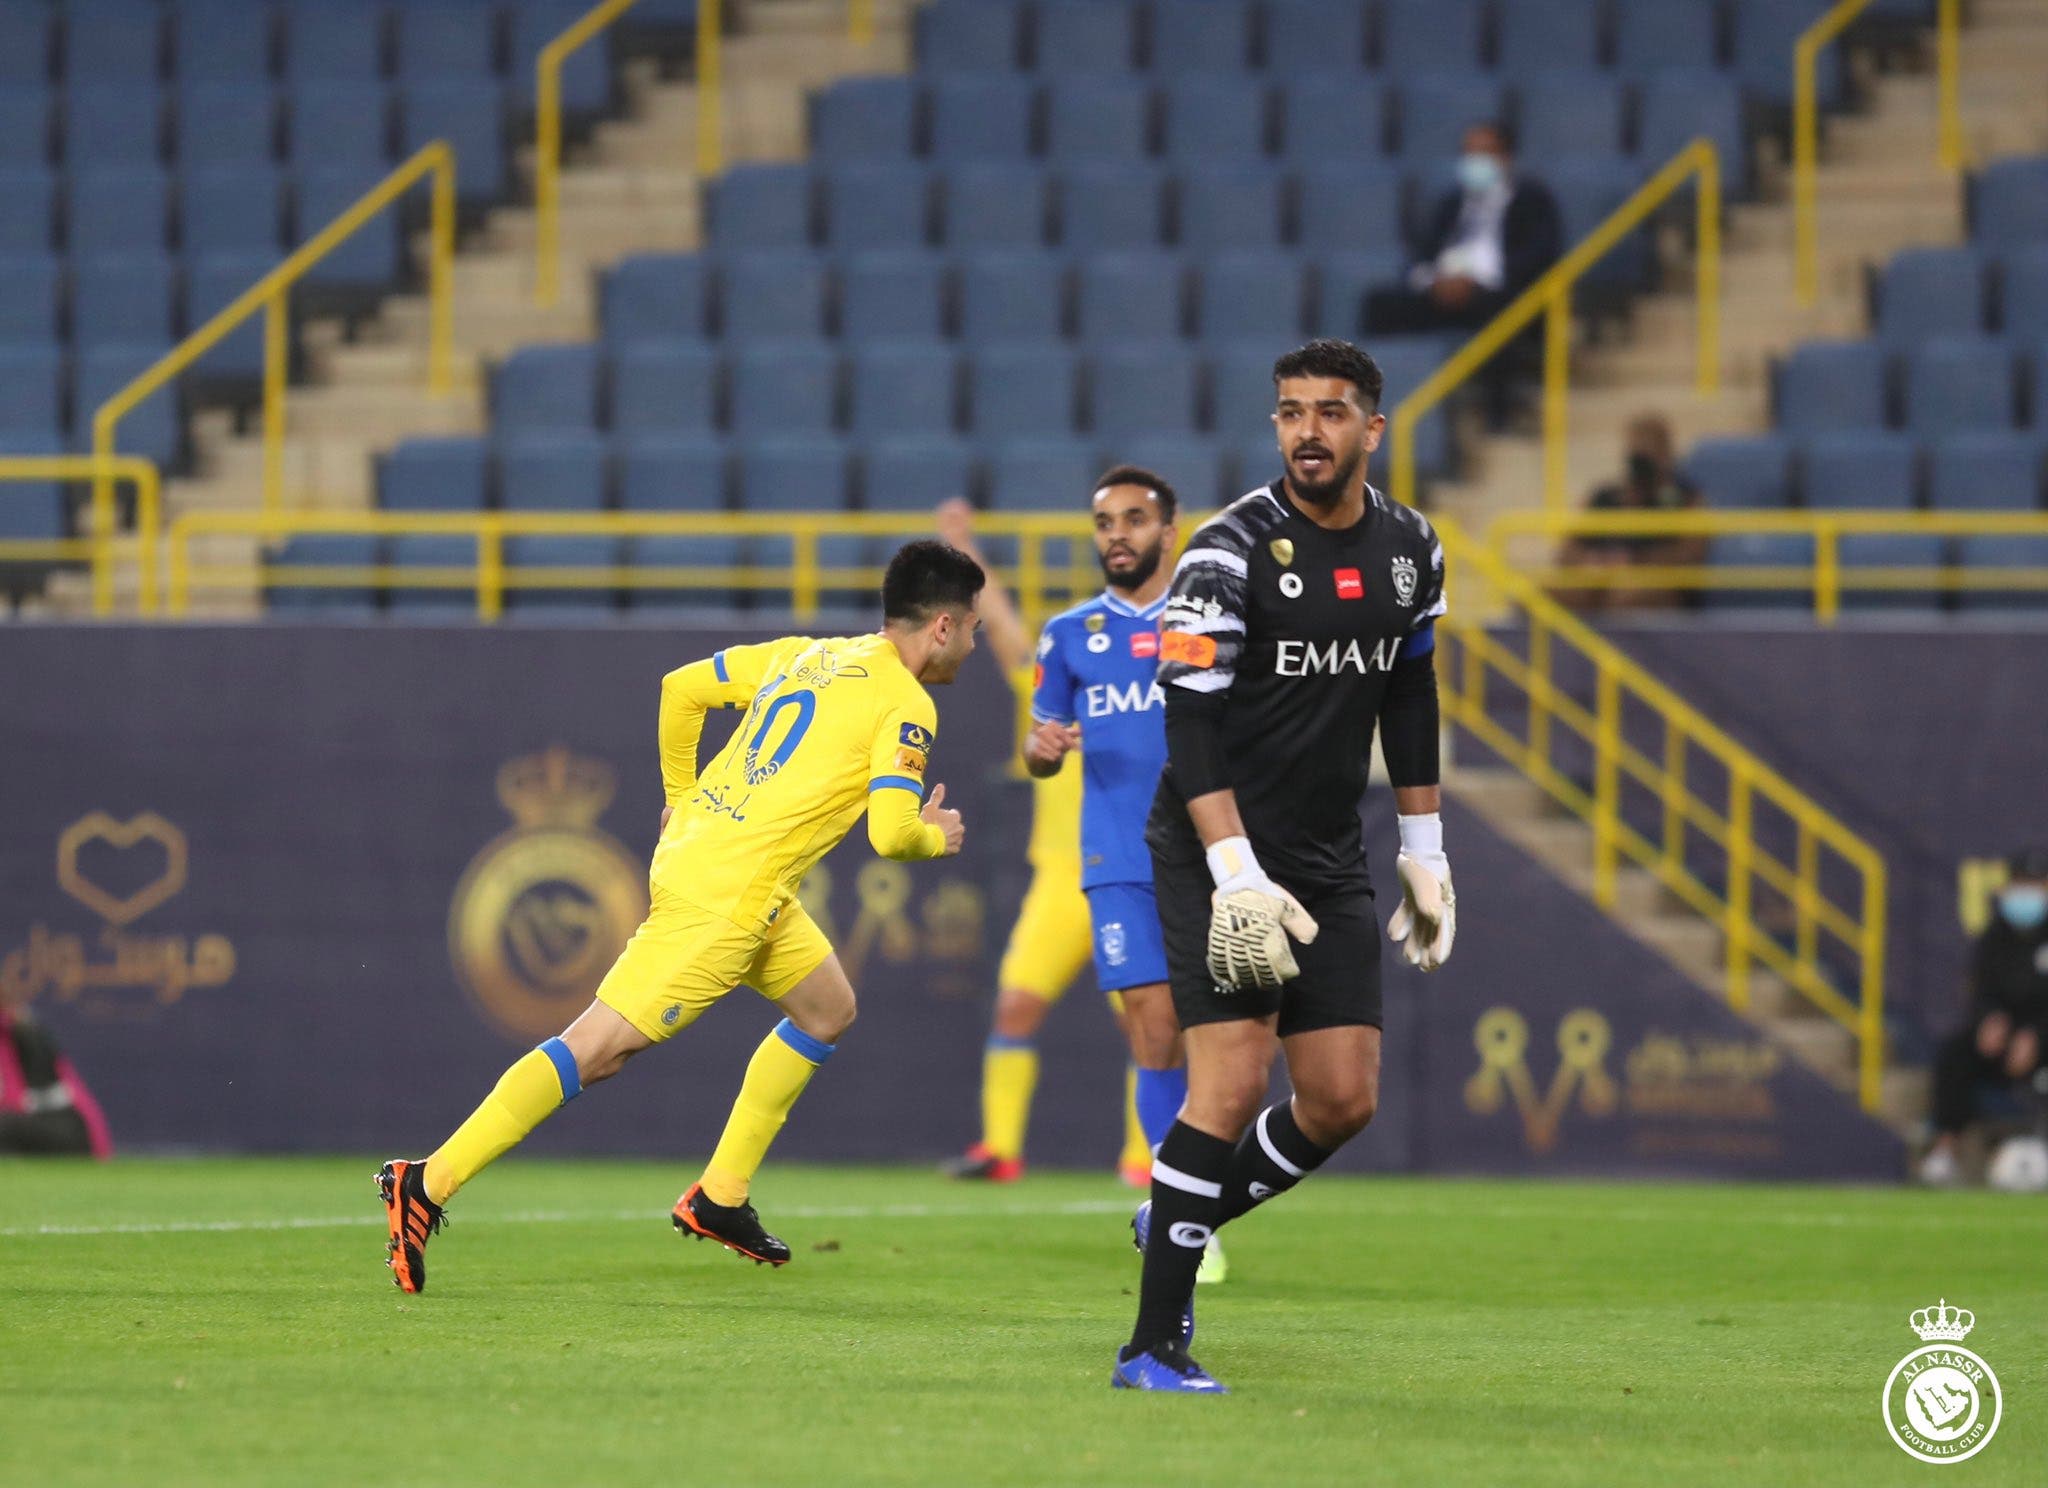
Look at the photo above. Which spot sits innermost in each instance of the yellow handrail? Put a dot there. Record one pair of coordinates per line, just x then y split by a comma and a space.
860, 21
710, 86
1663, 781
1551, 295
1955, 149
271, 293
547, 144
1824, 576
98, 546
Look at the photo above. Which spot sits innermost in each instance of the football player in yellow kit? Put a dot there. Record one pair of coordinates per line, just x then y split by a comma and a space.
832, 728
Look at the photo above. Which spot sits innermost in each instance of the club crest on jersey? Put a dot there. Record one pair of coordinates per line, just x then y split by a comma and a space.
1404, 580
1282, 549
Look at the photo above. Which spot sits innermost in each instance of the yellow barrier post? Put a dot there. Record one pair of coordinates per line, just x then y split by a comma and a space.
1955, 147
1806, 141
490, 571
805, 597
1740, 851
1806, 934
1606, 785
1827, 572
547, 144
860, 21
1870, 1030
1672, 788
276, 367
710, 83
1557, 377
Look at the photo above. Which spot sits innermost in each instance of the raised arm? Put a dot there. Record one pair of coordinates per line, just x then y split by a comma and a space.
1001, 626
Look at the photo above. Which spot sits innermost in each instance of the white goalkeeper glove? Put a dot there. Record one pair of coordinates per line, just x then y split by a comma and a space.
1427, 921
1250, 920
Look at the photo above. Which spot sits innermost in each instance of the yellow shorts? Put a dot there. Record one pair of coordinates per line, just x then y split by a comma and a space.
1052, 939
682, 959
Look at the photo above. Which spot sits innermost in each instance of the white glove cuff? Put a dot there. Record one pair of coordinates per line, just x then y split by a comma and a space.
1232, 857
1422, 837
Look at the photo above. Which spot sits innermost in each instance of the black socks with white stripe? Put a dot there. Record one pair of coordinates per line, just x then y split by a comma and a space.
1187, 1189
1271, 1157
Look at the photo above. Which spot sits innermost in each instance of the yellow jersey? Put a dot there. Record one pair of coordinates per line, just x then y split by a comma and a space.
832, 728
1055, 840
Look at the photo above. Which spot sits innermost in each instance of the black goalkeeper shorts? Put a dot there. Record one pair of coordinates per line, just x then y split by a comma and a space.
1339, 985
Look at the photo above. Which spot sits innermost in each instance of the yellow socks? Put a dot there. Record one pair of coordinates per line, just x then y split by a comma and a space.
525, 1096
1009, 1074
1137, 1153
776, 1076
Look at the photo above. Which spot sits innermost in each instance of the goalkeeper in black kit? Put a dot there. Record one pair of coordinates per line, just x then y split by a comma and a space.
1300, 619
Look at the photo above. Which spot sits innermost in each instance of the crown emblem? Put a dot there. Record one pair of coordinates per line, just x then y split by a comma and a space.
1943, 1321
556, 788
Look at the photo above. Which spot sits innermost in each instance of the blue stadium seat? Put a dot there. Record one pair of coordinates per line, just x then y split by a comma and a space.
117, 209
1022, 389
123, 298
2009, 203
546, 551
902, 388
445, 473
2002, 552
785, 387
1097, 118
333, 40
469, 114
1241, 393
1194, 465
1827, 385
779, 292
25, 115
154, 429
2037, 390
557, 470
1107, 206
664, 387
544, 388
25, 44
1762, 550
1255, 461
341, 124
1889, 550
435, 40
114, 41
655, 297
31, 297
112, 124
1341, 282
1302, 36
915, 472
1084, 36
1540, 35
2023, 296
862, 118
1143, 387
1879, 471
1417, 34
1588, 189
1330, 117
1242, 296
226, 124
370, 257
683, 552
324, 601
673, 472
433, 550
1130, 297
1344, 208
29, 223
1653, 34
1212, 117
1437, 109
968, 35
1745, 474
994, 205
892, 295
1765, 34
1569, 113
1407, 361
31, 391
231, 211
1012, 297
878, 205
213, 281
1681, 105
1928, 292
1200, 35
1985, 472
1958, 383
762, 206
1231, 206
1042, 474
794, 472
981, 116
586, 75
31, 511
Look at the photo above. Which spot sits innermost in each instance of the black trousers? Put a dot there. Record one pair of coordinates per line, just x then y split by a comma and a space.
1958, 1071
45, 1134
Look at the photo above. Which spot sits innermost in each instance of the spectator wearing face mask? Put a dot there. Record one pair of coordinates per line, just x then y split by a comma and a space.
1651, 483
2001, 1043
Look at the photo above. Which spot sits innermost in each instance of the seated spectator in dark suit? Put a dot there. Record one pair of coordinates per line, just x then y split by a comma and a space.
45, 1109
1487, 242
1650, 483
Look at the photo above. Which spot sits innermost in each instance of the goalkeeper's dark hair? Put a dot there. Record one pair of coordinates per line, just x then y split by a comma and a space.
1329, 358
1138, 475
928, 576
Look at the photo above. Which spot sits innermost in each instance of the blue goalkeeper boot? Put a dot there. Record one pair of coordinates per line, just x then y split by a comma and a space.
1141, 1231
1164, 1366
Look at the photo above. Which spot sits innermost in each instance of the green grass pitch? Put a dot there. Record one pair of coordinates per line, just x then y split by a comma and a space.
231, 1322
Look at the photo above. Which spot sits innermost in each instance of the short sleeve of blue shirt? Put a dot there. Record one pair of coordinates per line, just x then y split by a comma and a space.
1052, 679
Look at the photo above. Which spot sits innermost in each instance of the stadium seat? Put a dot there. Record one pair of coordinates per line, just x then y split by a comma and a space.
586, 74
231, 211
1415, 34
1588, 189
994, 205
31, 387
213, 281
762, 206
1200, 35
969, 35
2009, 203
1227, 207
1344, 208
1742, 474
2037, 390
370, 257
1129, 297
1111, 206
112, 124
557, 470
25, 115
469, 114
114, 41
1929, 292
863, 118
892, 296
2023, 298
1303, 36
433, 550
546, 551
435, 474
226, 124
1436, 110
1330, 117
1569, 113
981, 116
439, 39
123, 298
664, 387
1097, 118
1244, 296
1985, 472
2014, 551
1143, 388
29, 223
1957, 383
899, 388
655, 297
794, 473
341, 124
25, 44
1012, 297
679, 551
1255, 461
31, 297
117, 209
877, 205
773, 293
31, 510
546, 389
1217, 117
1022, 389
1879, 472
672, 472
1762, 550
324, 601
1341, 281
785, 387
1654, 34
1241, 393
1044, 474
1071, 36
1407, 362
1195, 466
1765, 33
1680, 105
1826, 385
1542, 35
154, 429
1889, 550
915, 472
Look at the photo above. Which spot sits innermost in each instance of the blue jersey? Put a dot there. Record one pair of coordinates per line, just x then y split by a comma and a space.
1097, 665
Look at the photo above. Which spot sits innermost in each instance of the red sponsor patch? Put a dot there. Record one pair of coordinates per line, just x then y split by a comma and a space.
1349, 584
1145, 643
1191, 650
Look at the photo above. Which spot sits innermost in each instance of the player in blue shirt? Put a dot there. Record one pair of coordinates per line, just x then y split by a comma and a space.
1095, 681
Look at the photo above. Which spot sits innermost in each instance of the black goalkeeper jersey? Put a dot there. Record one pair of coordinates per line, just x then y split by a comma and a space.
1297, 628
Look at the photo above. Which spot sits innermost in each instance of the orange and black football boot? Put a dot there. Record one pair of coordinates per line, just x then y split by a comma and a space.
982, 1166
737, 1229
413, 1217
